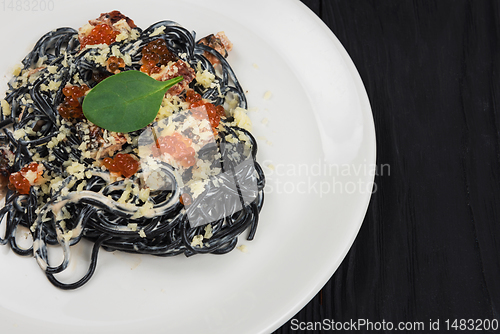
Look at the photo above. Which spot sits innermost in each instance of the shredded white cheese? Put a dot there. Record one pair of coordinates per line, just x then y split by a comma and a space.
241, 119
157, 31
197, 241
20, 133
143, 210
17, 70
243, 248
208, 231
5, 108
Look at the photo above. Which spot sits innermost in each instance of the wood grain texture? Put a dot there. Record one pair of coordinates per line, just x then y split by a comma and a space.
430, 242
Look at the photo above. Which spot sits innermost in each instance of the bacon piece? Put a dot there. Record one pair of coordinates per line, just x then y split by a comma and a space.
35, 70
225, 41
220, 43
173, 70
6, 156
111, 18
101, 144
111, 146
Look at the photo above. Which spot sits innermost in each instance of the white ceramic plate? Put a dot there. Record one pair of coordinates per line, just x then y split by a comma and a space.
317, 146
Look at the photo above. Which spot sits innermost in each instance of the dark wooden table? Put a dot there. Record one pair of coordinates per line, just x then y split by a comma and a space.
429, 246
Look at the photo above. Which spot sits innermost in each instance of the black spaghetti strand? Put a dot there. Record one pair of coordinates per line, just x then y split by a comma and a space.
90, 272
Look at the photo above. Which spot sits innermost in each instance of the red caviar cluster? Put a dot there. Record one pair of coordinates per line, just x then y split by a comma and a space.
124, 164
19, 183
214, 112
154, 53
178, 147
101, 34
71, 106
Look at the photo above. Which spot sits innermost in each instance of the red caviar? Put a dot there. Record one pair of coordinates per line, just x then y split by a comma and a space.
101, 34
214, 112
19, 183
154, 53
185, 199
71, 106
122, 163
178, 147
114, 64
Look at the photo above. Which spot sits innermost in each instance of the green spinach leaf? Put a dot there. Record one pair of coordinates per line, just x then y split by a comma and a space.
126, 102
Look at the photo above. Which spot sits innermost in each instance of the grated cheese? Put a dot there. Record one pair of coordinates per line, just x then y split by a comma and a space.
197, 241
144, 194
143, 210
208, 231
243, 248
20, 133
5, 108
241, 119
17, 70
52, 69
157, 31
204, 77
81, 186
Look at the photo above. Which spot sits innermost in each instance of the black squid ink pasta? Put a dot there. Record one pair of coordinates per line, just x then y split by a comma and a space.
66, 179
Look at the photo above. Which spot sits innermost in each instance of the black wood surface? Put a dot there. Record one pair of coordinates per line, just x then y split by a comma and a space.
429, 245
